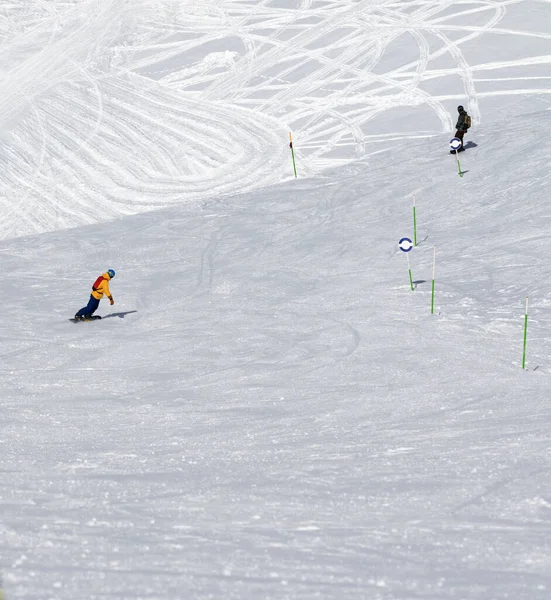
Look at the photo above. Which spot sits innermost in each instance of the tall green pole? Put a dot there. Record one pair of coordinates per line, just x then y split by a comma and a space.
525, 332
433, 272
458, 165
410, 277
292, 152
414, 223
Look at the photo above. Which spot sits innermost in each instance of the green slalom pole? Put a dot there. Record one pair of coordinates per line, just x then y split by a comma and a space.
292, 152
410, 277
458, 164
414, 223
433, 272
525, 332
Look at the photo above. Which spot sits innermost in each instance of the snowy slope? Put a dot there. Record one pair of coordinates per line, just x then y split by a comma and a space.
268, 411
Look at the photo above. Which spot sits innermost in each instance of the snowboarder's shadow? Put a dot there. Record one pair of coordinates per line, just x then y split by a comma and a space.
470, 145
121, 315
419, 281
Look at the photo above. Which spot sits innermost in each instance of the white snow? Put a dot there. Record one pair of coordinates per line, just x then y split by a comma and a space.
268, 411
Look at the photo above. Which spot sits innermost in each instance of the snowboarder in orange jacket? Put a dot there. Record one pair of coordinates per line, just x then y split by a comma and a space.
100, 287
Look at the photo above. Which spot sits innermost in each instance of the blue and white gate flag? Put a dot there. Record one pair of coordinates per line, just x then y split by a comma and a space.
405, 244
455, 143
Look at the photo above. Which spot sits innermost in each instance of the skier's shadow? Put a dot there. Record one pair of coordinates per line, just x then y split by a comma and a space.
470, 145
121, 315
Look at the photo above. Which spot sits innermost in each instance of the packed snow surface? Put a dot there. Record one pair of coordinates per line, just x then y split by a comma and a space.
268, 411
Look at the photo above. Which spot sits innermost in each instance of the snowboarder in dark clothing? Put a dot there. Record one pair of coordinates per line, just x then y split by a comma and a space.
462, 125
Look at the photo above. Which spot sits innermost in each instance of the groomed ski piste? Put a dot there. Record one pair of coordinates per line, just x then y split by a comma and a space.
269, 411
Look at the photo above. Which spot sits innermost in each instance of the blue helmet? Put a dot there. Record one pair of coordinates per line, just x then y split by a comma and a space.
111, 273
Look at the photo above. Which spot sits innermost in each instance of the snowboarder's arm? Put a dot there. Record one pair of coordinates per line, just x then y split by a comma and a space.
107, 292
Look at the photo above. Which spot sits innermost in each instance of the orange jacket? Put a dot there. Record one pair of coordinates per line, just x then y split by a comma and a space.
101, 286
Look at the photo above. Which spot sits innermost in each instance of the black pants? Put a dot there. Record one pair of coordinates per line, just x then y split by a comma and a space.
459, 134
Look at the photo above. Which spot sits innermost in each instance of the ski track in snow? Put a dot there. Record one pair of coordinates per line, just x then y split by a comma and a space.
204, 93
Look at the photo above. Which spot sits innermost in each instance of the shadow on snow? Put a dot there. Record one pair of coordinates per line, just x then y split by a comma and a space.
121, 315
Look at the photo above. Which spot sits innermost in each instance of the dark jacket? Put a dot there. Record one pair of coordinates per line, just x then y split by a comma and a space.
461, 121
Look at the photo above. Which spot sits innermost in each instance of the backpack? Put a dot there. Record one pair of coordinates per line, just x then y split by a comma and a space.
97, 283
467, 121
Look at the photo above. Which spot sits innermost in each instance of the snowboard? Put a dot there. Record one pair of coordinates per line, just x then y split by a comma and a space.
92, 318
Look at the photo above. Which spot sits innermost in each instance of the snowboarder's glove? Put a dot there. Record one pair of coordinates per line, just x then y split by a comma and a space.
111, 301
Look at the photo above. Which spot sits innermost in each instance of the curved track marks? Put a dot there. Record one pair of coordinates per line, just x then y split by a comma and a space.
113, 107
